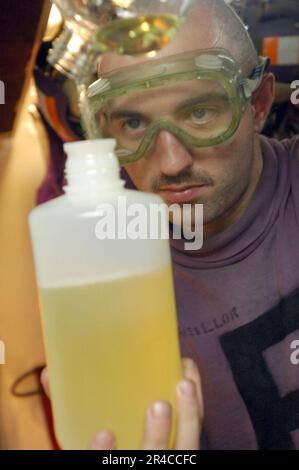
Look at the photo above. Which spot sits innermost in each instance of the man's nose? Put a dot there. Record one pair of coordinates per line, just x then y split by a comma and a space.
170, 154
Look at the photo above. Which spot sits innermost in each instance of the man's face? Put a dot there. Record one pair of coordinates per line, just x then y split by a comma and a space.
217, 177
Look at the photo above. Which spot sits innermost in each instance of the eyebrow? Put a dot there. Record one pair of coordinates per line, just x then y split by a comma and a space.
126, 113
203, 98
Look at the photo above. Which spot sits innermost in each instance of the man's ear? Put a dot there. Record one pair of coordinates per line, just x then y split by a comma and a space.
262, 101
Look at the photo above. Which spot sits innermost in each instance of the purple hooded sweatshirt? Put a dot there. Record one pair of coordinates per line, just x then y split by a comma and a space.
238, 311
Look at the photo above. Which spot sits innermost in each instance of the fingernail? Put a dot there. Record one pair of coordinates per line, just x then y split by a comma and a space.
104, 439
187, 388
160, 410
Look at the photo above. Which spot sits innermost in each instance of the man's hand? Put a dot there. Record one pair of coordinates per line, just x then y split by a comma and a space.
158, 420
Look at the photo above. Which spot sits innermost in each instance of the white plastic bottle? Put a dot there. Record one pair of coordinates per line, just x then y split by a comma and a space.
108, 308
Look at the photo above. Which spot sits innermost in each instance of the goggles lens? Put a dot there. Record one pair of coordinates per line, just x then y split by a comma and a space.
201, 112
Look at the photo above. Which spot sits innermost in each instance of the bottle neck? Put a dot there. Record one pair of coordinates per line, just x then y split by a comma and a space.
91, 170
72, 53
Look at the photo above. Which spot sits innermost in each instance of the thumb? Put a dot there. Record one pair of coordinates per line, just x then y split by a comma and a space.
44, 378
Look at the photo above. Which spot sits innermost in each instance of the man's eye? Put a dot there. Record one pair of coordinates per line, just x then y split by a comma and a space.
134, 124
202, 115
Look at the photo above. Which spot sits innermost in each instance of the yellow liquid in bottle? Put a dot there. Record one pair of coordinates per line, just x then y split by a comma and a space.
138, 35
112, 349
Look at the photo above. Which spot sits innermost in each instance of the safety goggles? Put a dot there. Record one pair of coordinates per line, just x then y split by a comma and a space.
200, 97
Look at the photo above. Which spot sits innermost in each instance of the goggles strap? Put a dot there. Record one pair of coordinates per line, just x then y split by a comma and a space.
251, 84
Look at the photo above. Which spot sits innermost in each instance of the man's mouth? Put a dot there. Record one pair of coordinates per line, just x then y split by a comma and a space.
181, 194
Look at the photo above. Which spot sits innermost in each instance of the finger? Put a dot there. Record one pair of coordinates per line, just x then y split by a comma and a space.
44, 378
104, 440
157, 427
189, 409
191, 372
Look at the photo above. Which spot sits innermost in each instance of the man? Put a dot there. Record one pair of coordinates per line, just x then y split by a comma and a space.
194, 138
